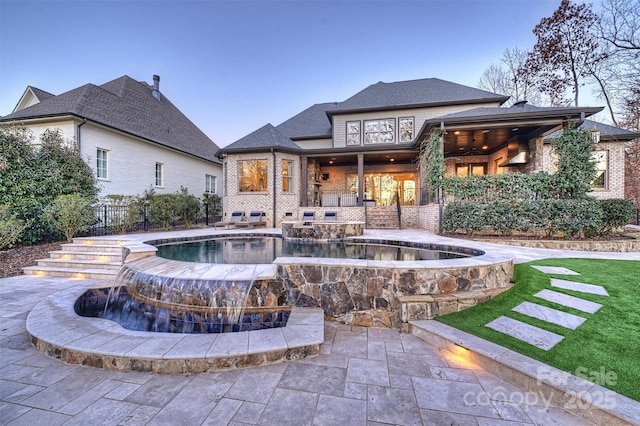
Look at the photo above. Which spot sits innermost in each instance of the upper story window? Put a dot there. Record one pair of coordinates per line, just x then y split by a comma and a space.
287, 176
601, 161
159, 174
353, 132
379, 131
210, 184
252, 175
101, 163
405, 125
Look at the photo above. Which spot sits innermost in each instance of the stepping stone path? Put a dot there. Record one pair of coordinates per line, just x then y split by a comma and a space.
551, 315
537, 336
569, 301
581, 287
555, 270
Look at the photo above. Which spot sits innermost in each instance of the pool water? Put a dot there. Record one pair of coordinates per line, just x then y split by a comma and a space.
257, 250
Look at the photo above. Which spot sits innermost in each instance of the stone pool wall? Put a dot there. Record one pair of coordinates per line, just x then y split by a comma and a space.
328, 231
391, 296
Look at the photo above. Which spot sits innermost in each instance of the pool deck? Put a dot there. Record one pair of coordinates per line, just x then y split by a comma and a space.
361, 376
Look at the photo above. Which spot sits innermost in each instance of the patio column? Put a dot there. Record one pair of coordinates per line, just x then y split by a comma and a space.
360, 179
303, 183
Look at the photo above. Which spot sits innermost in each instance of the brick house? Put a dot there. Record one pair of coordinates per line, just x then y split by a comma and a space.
360, 157
130, 134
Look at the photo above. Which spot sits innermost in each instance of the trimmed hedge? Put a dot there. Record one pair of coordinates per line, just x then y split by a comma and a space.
573, 218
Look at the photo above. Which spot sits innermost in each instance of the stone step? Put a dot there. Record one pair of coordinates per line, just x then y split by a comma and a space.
102, 274
98, 256
106, 248
79, 264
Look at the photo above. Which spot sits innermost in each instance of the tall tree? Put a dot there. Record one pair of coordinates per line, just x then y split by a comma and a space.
510, 77
566, 48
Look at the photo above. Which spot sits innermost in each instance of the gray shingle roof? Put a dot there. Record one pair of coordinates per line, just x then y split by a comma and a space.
607, 132
513, 112
41, 94
312, 122
127, 105
406, 94
263, 139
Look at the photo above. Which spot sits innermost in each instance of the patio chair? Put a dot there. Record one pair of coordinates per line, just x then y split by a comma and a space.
236, 217
255, 219
308, 216
330, 216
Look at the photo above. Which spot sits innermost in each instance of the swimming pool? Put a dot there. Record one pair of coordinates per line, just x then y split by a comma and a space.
257, 250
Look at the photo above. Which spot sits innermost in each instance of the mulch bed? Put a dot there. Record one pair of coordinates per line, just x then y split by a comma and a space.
14, 259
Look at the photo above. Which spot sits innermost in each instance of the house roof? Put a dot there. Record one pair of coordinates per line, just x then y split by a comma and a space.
313, 122
265, 138
413, 93
127, 105
608, 132
41, 94
514, 112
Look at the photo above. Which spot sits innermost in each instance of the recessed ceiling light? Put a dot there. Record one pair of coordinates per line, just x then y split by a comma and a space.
457, 132
515, 129
391, 159
485, 131
330, 161
485, 147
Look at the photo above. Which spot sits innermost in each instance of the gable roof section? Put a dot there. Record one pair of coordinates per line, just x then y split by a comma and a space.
126, 105
265, 138
31, 96
310, 123
414, 93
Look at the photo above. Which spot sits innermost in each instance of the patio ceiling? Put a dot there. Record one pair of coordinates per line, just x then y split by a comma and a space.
487, 139
378, 157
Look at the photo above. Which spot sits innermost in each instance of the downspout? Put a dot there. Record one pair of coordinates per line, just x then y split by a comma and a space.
273, 153
84, 121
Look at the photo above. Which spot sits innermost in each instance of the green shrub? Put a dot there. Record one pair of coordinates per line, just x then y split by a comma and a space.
69, 214
188, 207
616, 213
571, 217
462, 216
163, 209
10, 227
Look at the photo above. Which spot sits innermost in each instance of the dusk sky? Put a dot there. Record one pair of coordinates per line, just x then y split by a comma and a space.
233, 66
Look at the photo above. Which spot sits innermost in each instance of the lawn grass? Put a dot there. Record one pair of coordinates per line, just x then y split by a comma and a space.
608, 340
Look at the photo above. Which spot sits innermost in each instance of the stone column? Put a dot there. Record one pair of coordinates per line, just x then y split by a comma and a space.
303, 182
360, 179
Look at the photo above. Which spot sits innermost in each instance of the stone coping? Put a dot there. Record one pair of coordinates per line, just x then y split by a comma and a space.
581, 397
58, 331
481, 258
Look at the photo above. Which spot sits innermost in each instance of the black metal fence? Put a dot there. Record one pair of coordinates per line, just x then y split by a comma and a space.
114, 219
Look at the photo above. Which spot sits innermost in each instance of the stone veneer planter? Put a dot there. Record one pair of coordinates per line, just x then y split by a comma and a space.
389, 294
584, 245
321, 231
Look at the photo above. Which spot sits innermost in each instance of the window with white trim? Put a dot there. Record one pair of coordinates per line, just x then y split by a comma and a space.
159, 174
379, 131
101, 163
210, 184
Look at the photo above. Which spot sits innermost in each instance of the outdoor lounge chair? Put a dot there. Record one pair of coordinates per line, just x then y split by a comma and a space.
307, 216
255, 219
330, 216
236, 217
